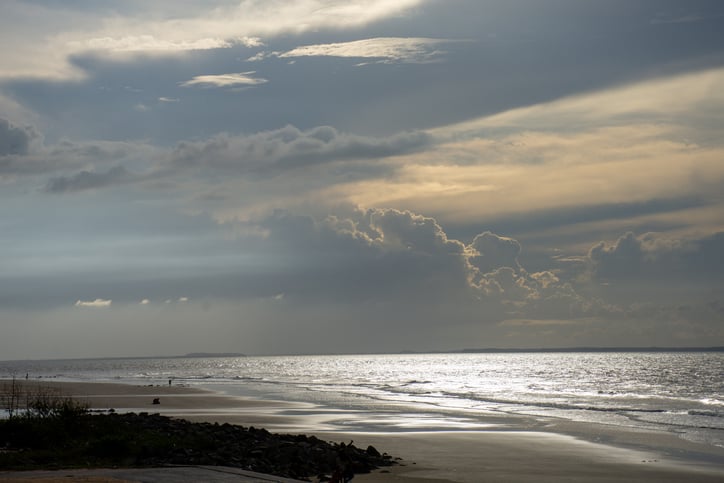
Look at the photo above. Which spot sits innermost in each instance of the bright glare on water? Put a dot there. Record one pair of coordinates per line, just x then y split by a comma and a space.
681, 392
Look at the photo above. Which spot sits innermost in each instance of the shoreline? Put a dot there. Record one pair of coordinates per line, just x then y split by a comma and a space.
536, 450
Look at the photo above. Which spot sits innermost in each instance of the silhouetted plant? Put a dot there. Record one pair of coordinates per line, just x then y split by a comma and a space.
10, 397
46, 403
19, 400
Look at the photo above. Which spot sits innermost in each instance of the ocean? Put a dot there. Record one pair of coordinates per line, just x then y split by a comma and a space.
676, 392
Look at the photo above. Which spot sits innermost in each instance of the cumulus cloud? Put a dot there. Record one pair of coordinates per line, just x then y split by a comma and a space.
240, 79
97, 303
382, 253
493, 252
399, 255
15, 140
385, 49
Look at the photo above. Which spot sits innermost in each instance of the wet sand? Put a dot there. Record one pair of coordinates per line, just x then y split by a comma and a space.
555, 451
519, 456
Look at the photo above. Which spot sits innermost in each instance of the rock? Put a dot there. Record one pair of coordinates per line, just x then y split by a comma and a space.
372, 451
152, 440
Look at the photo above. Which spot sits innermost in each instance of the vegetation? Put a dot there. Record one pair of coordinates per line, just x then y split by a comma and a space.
48, 431
39, 403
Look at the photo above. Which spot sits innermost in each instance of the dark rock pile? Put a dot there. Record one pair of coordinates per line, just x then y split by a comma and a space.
294, 456
154, 440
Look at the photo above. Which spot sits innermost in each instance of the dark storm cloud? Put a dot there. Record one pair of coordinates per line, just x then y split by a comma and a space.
15, 140
381, 254
657, 258
18, 156
389, 256
272, 152
394, 256
23, 153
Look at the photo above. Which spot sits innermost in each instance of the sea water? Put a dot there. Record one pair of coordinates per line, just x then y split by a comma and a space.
678, 392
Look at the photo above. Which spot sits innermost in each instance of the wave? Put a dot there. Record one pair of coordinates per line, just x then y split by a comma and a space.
714, 414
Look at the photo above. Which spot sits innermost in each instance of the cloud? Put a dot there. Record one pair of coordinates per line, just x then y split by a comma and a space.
386, 254
663, 18
15, 140
536, 323
386, 49
494, 252
33, 157
144, 302
138, 43
686, 100
399, 257
660, 259
643, 155
164, 28
150, 43
225, 80
97, 303
86, 180
96, 151
264, 154
287, 148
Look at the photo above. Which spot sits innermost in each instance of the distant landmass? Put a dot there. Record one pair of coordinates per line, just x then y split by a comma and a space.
597, 349
212, 354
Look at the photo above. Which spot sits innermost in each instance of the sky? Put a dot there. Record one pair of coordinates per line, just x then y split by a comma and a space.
323, 176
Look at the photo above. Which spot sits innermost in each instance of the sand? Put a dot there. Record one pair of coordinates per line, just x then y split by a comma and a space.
557, 451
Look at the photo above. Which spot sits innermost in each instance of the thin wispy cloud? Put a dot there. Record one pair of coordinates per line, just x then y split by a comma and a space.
149, 43
384, 49
663, 18
240, 79
170, 29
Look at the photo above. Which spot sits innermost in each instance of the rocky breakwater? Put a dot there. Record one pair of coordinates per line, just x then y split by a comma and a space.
154, 440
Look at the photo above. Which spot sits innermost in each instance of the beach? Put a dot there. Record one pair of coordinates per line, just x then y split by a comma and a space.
550, 450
